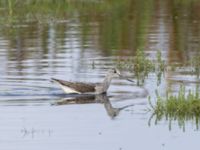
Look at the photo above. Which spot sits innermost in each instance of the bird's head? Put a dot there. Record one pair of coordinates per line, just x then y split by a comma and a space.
116, 73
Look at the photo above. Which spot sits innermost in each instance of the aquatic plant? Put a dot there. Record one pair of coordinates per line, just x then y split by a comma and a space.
181, 107
141, 66
160, 66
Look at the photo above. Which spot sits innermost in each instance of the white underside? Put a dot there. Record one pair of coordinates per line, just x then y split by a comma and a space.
68, 90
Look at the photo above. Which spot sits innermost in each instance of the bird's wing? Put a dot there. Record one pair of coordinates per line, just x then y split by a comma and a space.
78, 86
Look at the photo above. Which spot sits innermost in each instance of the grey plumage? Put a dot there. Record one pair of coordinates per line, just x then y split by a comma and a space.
77, 86
80, 87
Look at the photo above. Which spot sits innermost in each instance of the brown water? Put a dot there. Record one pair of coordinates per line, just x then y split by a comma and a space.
82, 47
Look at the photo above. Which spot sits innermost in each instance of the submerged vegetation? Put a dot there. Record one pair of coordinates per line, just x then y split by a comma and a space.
181, 107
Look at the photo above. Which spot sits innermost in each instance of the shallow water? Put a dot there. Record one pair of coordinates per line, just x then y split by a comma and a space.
36, 114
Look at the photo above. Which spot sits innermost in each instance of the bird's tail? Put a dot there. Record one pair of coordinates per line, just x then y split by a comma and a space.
54, 80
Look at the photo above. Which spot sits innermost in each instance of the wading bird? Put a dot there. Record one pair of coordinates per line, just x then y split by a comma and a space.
97, 88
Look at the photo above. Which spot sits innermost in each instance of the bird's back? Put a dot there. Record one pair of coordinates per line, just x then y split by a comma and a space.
77, 87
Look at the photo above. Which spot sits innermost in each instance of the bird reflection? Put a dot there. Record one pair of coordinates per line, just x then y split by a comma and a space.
87, 99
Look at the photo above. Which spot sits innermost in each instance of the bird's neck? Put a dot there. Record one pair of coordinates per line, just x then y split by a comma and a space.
106, 82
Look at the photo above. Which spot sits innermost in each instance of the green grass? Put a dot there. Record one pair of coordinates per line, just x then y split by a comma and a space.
141, 66
181, 107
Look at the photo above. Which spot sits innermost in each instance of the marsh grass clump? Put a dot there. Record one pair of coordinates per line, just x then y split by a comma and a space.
160, 67
181, 107
141, 66
160, 63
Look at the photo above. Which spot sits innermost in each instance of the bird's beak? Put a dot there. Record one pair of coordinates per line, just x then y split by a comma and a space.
122, 77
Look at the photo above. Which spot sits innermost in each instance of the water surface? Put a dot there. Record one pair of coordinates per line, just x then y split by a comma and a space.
80, 42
